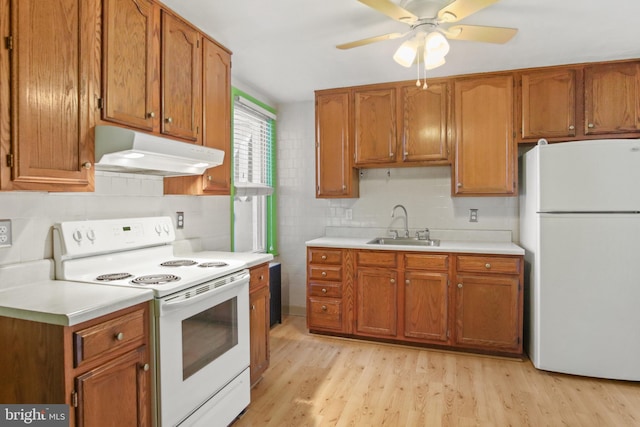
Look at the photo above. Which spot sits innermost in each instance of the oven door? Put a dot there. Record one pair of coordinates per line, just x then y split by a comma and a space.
202, 343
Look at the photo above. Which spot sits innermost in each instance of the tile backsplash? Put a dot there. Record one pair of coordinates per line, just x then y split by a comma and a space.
117, 195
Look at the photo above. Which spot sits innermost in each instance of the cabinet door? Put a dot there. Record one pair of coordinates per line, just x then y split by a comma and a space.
426, 304
375, 126
612, 98
424, 123
181, 79
259, 335
334, 175
53, 88
487, 312
484, 143
216, 105
131, 63
376, 302
115, 393
548, 105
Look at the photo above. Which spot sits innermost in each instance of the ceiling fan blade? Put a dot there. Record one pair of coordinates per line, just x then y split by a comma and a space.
369, 40
460, 9
392, 10
477, 33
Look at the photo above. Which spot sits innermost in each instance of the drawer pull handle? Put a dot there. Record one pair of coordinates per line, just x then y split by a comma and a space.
487, 266
324, 290
324, 308
324, 257
324, 274
459, 285
145, 367
119, 336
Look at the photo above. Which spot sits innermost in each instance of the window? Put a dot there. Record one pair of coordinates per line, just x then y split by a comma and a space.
253, 209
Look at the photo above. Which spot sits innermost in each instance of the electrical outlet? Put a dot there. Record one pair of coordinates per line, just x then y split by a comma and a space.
473, 215
179, 220
5, 232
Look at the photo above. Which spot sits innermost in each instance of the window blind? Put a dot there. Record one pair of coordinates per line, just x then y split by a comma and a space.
252, 136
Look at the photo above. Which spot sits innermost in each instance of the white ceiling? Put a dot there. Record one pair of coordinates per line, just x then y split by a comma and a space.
285, 49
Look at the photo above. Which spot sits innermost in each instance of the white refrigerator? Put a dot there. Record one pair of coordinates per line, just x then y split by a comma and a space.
580, 228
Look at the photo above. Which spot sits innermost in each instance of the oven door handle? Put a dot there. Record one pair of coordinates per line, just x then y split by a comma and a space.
183, 300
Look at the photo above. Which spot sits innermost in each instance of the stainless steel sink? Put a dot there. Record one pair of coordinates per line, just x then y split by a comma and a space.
400, 241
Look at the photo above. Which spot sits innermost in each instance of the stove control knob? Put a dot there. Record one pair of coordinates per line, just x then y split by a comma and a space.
165, 227
158, 229
91, 234
77, 236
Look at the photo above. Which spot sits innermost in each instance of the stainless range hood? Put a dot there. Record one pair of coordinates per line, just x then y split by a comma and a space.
124, 150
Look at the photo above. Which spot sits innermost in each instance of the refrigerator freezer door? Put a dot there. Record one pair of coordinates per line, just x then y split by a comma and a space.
592, 176
586, 295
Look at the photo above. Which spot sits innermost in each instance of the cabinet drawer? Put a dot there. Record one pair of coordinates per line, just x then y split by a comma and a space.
426, 262
376, 259
333, 290
479, 264
259, 277
109, 337
325, 256
325, 272
325, 313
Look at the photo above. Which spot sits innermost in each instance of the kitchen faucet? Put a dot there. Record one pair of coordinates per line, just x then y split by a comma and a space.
406, 218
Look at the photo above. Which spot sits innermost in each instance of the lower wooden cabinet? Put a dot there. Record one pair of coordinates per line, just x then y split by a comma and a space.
259, 321
456, 301
100, 368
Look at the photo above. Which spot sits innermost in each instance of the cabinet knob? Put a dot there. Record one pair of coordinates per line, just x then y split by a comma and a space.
253, 306
261, 277
344, 187
151, 115
209, 178
392, 280
324, 274
390, 154
591, 125
459, 285
323, 257
119, 336
324, 308
145, 367
324, 290
408, 282
459, 184
572, 127
487, 266
168, 120
87, 165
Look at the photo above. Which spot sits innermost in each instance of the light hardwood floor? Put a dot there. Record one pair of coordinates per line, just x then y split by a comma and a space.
318, 381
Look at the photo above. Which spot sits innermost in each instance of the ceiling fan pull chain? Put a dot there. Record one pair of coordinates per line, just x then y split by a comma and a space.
418, 83
425, 85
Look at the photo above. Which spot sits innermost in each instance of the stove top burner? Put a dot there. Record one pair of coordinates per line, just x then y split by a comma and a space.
155, 279
178, 263
213, 264
113, 276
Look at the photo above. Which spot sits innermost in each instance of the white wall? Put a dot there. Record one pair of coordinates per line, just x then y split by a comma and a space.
116, 196
424, 191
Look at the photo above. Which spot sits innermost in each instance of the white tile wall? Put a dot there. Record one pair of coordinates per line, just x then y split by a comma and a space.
425, 192
116, 195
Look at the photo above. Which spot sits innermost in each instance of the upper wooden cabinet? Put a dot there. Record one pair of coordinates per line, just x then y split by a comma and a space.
335, 176
131, 63
48, 87
375, 120
216, 125
181, 71
548, 104
401, 125
485, 155
612, 98
424, 123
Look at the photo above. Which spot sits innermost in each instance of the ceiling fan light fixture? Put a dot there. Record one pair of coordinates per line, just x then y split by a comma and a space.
406, 53
433, 61
435, 43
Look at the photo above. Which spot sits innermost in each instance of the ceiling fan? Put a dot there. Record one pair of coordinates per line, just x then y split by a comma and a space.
428, 42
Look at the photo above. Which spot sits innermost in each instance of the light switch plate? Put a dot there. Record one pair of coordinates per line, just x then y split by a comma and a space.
5, 233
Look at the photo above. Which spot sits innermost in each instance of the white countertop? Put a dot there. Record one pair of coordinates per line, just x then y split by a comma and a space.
498, 248
65, 303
